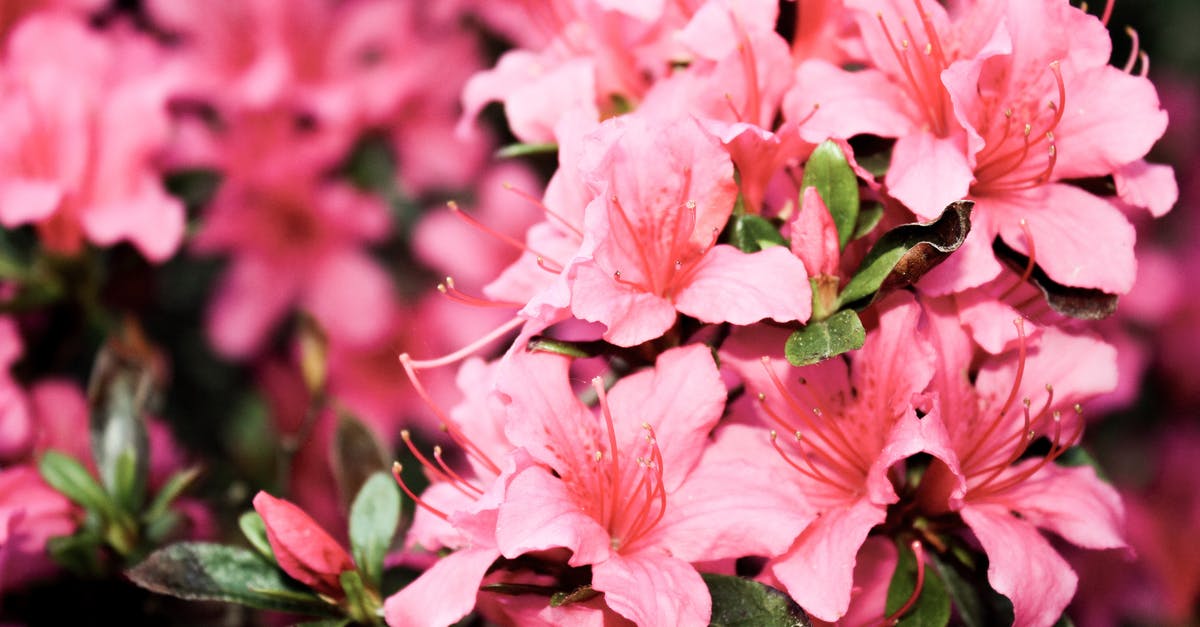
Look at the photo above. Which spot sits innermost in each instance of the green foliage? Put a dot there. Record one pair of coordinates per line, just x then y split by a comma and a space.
212, 572
932, 608
751, 233
738, 602
828, 171
819, 340
374, 517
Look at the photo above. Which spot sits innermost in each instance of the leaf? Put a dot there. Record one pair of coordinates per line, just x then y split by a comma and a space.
374, 517
868, 219
828, 171
360, 605
820, 340
78, 553
1082, 303
559, 347
171, 490
753, 233
578, 595
357, 454
738, 602
905, 253
522, 149
255, 530
69, 477
967, 602
932, 608
212, 572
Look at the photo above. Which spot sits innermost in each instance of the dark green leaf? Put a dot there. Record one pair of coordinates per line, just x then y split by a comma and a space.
326, 622
820, 340
360, 605
255, 530
932, 608
357, 454
78, 553
965, 595
74, 481
753, 233
907, 252
1075, 302
521, 150
203, 571
738, 602
868, 219
828, 171
374, 517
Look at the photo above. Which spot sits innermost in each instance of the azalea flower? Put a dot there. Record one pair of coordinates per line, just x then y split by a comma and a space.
626, 488
1003, 495
650, 241
850, 423
301, 547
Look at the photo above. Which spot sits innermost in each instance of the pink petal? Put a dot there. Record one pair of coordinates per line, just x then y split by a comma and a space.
152, 221
443, 594
27, 200
1022, 565
351, 296
928, 173
540, 513
1078, 366
847, 103
732, 509
972, 265
1072, 502
1111, 119
728, 285
910, 435
543, 413
896, 361
681, 398
818, 571
632, 317
650, 588
814, 236
301, 547
1149, 185
252, 297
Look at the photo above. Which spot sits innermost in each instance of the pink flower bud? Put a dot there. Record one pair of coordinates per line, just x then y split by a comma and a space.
302, 548
814, 236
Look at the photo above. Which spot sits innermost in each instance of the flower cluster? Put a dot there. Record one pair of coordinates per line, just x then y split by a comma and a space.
813, 310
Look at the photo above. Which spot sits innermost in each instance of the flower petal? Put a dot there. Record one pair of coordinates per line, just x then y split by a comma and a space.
453, 582
650, 588
729, 285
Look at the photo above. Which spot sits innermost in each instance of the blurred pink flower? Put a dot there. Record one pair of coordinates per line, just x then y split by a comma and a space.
30, 514
75, 164
13, 12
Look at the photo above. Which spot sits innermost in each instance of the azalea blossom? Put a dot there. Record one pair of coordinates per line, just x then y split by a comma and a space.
985, 477
626, 487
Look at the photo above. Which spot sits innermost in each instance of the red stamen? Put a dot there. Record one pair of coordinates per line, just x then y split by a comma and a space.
1029, 266
1012, 395
467, 350
850, 460
1134, 46
614, 463
452, 429
546, 210
919, 554
469, 219
396, 470
448, 289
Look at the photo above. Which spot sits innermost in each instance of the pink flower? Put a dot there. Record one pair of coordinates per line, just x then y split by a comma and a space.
650, 246
16, 425
967, 99
17, 10
30, 514
73, 164
1002, 496
851, 425
626, 489
302, 548
295, 241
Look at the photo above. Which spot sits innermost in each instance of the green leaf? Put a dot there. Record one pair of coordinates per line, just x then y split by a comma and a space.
868, 219
360, 605
78, 553
932, 608
820, 340
522, 149
74, 481
738, 602
578, 595
967, 601
559, 347
357, 454
171, 490
907, 252
255, 530
374, 517
753, 233
212, 572
828, 171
